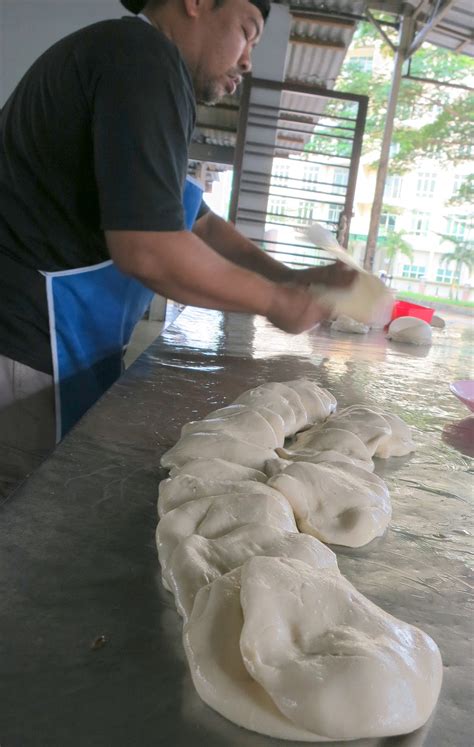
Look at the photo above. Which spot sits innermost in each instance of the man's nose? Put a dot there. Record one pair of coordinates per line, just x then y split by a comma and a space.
245, 62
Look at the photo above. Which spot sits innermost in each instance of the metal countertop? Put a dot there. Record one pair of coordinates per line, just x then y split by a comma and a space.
77, 554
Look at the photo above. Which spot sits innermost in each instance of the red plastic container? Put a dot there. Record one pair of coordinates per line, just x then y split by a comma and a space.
407, 308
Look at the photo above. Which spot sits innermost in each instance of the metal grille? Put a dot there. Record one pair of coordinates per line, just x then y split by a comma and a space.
297, 156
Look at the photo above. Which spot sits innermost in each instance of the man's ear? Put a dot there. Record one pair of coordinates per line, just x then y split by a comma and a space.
194, 8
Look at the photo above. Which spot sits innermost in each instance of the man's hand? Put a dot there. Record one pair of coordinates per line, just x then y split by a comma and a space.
294, 309
336, 275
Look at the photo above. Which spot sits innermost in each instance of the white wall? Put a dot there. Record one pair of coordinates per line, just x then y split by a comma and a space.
28, 28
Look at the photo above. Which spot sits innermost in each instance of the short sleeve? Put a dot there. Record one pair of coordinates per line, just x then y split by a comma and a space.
142, 123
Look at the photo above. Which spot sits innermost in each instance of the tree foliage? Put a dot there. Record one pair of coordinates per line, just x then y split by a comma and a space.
431, 121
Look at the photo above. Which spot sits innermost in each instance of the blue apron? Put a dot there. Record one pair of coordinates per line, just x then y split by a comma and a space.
92, 313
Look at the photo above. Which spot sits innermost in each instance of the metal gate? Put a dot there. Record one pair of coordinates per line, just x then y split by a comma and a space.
297, 155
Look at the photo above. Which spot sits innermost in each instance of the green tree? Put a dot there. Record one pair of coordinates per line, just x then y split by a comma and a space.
395, 243
462, 256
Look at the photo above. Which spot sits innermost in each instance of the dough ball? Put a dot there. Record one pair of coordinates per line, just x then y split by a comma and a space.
247, 424
332, 661
411, 330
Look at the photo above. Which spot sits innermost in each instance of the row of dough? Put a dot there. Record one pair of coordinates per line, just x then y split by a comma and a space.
277, 640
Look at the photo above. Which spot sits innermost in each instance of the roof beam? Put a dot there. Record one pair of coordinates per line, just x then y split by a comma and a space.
297, 39
430, 25
322, 20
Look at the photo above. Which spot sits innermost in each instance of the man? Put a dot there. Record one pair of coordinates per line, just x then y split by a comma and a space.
95, 214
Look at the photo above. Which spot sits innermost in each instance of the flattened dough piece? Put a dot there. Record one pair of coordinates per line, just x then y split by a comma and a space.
218, 469
318, 402
331, 660
197, 561
206, 445
281, 399
273, 418
399, 442
315, 457
363, 422
248, 425
211, 642
319, 439
214, 516
337, 503
183, 488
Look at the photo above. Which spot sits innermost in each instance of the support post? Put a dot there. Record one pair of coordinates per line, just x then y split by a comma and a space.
407, 29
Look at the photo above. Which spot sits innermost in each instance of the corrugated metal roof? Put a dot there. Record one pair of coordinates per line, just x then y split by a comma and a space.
455, 31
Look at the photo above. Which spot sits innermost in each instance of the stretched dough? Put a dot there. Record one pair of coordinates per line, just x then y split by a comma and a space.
206, 445
214, 516
364, 300
332, 661
178, 490
286, 457
218, 469
197, 561
346, 324
409, 329
337, 503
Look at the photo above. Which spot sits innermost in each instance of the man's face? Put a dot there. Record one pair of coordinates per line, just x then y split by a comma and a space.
230, 33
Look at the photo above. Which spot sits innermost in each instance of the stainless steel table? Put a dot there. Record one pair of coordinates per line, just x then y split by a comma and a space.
77, 556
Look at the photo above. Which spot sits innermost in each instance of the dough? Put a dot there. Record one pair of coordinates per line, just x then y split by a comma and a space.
206, 445
281, 399
332, 661
368, 425
212, 469
409, 329
248, 425
214, 516
364, 300
346, 324
337, 503
274, 420
307, 455
331, 439
198, 561
318, 402
399, 442
183, 488
211, 642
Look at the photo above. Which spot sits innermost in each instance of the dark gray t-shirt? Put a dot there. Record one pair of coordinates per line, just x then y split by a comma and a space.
94, 137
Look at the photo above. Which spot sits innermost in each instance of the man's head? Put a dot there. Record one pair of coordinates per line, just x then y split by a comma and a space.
215, 37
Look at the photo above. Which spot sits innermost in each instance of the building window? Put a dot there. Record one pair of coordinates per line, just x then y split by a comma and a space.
457, 181
305, 212
443, 275
413, 272
393, 187
420, 223
280, 172
339, 179
363, 62
310, 172
425, 184
394, 149
334, 211
388, 222
456, 225
277, 206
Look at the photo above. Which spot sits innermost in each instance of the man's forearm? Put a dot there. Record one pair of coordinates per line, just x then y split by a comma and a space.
231, 244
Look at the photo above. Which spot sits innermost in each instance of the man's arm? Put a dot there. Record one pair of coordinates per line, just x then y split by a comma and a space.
178, 265
227, 241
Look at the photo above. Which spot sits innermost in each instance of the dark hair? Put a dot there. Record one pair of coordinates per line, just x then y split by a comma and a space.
136, 6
